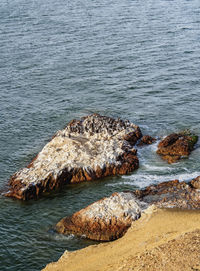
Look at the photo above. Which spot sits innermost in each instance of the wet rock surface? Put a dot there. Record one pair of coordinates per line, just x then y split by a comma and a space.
172, 194
90, 148
104, 220
147, 140
175, 146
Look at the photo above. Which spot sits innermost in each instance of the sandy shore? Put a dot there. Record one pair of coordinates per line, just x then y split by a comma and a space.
161, 239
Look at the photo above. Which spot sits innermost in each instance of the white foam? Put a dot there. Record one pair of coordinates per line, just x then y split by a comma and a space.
143, 180
156, 168
61, 237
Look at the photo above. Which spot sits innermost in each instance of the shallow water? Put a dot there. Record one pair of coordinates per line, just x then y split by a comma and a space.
61, 60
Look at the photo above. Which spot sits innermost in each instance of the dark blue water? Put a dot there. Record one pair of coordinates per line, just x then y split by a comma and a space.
60, 60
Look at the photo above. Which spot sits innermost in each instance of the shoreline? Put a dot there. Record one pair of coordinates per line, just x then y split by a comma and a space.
157, 229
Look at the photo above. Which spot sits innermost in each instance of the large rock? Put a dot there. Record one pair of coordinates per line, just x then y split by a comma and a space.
109, 218
104, 220
172, 194
175, 146
87, 149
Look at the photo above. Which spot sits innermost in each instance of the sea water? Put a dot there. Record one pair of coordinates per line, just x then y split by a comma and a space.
60, 60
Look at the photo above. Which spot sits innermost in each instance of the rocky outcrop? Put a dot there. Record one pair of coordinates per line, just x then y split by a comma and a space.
147, 140
175, 146
104, 220
109, 218
90, 148
161, 240
172, 194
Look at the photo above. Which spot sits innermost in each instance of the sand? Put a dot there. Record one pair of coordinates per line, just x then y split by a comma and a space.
162, 239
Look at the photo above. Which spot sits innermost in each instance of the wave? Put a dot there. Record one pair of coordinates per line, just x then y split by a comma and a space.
53, 235
143, 180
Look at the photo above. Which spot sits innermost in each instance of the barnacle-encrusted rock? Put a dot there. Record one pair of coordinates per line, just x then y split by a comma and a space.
172, 194
90, 148
104, 220
175, 146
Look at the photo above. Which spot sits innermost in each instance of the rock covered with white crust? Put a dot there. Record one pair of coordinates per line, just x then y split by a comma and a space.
90, 148
104, 220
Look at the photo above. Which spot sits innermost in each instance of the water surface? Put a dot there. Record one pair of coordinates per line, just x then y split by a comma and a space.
59, 60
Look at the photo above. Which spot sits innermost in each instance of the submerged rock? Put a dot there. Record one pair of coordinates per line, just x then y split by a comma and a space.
172, 194
104, 220
147, 140
175, 146
90, 148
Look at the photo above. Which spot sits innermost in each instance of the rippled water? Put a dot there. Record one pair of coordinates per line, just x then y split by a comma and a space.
59, 60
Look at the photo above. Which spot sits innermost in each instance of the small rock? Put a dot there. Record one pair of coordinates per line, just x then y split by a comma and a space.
175, 146
104, 220
146, 140
171, 194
